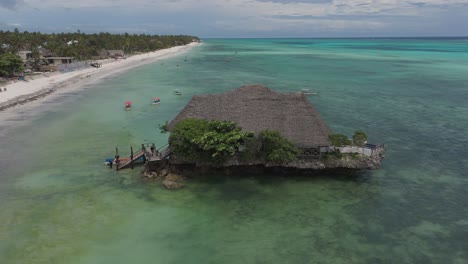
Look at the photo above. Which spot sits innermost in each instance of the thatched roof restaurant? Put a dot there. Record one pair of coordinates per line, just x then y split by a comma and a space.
256, 108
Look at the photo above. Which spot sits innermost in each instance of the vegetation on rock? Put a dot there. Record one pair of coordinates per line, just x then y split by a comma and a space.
216, 141
209, 141
276, 148
339, 140
163, 128
359, 138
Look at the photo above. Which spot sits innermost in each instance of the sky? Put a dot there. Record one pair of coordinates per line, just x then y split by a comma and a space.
241, 18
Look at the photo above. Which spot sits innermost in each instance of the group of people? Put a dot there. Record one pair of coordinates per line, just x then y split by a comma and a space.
116, 160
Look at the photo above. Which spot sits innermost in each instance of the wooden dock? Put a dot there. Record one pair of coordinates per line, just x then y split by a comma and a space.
147, 154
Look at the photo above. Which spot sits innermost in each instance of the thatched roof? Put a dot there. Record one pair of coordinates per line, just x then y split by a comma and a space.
256, 108
45, 52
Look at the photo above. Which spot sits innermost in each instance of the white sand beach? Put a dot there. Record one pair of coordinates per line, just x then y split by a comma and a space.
21, 92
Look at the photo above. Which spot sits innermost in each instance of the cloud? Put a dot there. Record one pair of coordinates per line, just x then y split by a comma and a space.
9, 26
296, 1
10, 4
215, 17
300, 25
260, 7
110, 4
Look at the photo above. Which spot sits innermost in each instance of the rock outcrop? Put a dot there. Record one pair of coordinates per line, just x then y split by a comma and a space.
173, 182
351, 161
169, 181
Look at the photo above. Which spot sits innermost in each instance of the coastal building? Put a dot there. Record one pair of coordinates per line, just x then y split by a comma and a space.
56, 63
256, 108
45, 52
59, 60
25, 55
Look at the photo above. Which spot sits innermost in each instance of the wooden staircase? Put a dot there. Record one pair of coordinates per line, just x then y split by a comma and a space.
130, 161
148, 152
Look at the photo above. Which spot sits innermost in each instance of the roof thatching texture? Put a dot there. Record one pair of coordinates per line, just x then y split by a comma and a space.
45, 52
256, 108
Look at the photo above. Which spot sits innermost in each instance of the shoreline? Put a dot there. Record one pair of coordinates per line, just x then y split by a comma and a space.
21, 92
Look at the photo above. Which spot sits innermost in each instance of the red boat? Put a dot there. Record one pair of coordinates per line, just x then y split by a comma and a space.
128, 105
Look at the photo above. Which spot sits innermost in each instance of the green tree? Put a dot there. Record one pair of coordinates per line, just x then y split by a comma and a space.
359, 138
86, 46
36, 57
10, 64
276, 148
339, 140
209, 141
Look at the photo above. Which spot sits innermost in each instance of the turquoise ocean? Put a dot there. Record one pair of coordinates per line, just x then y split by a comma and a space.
60, 204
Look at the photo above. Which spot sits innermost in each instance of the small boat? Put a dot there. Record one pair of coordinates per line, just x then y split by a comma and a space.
128, 105
109, 161
156, 100
177, 92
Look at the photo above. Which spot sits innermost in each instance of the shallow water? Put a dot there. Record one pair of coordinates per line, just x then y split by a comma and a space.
60, 204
